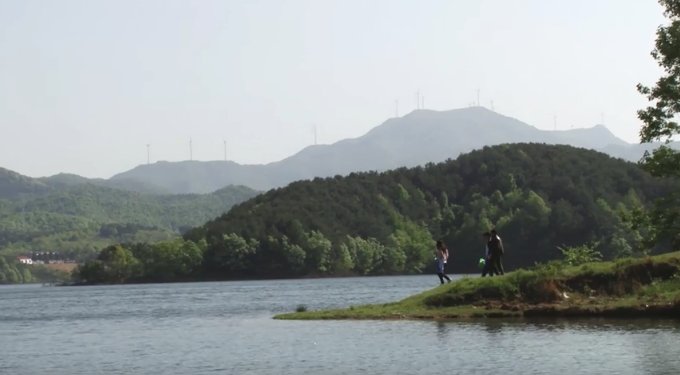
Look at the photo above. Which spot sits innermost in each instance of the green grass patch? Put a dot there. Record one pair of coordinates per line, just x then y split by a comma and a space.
631, 286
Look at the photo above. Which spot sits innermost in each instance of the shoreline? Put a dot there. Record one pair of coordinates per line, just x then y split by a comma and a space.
626, 288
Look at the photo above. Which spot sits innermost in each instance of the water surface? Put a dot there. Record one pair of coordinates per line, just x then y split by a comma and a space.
226, 327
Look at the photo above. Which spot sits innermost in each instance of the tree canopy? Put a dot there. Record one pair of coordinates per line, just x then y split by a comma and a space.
660, 120
542, 199
539, 197
79, 220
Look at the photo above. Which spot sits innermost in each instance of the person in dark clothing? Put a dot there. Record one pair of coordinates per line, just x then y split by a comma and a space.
496, 252
442, 255
488, 268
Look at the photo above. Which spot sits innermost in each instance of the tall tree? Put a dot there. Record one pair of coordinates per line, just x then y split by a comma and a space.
661, 122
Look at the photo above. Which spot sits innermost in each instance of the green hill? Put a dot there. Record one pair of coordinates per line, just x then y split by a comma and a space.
64, 180
80, 219
14, 185
539, 197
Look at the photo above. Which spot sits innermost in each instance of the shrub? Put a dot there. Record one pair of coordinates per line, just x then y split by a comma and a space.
577, 255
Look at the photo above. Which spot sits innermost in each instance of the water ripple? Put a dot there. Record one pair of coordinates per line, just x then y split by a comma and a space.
206, 328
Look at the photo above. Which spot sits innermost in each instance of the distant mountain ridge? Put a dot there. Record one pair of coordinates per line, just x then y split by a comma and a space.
418, 138
68, 179
16, 186
13, 185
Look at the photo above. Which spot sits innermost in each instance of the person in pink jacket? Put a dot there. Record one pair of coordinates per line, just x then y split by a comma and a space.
442, 256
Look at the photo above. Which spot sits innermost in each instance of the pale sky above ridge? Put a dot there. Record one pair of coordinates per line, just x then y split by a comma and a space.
86, 85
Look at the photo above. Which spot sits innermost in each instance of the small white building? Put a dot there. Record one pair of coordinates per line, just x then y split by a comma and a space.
25, 260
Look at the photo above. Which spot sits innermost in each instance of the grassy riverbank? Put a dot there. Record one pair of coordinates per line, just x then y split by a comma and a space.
647, 286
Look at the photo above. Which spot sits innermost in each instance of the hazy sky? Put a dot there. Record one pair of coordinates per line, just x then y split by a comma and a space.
86, 85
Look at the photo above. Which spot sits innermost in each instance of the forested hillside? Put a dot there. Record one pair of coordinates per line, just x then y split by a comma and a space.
539, 197
13, 185
79, 220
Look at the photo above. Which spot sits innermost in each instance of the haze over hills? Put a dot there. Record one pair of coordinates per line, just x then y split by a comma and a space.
418, 138
69, 214
67, 179
14, 185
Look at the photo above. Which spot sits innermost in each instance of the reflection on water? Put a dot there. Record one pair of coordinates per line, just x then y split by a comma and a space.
226, 327
575, 346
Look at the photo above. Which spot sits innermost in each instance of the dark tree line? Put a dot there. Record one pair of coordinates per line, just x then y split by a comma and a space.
539, 197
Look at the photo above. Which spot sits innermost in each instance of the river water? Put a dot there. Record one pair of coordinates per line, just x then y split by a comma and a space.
226, 328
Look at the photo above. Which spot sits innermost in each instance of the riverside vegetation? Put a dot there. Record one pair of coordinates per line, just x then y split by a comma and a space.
77, 219
648, 286
540, 198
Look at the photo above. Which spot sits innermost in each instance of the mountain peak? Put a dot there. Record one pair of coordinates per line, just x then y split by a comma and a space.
419, 137
465, 110
596, 137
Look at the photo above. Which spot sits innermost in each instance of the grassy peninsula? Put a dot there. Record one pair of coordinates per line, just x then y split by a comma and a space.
629, 287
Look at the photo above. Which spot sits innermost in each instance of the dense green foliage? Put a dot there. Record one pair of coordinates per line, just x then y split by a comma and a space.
80, 220
175, 260
661, 123
13, 272
539, 197
577, 255
13, 185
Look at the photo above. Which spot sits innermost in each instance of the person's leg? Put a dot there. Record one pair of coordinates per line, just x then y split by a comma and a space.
447, 277
492, 266
499, 265
486, 268
496, 269
444, 272
440, 271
